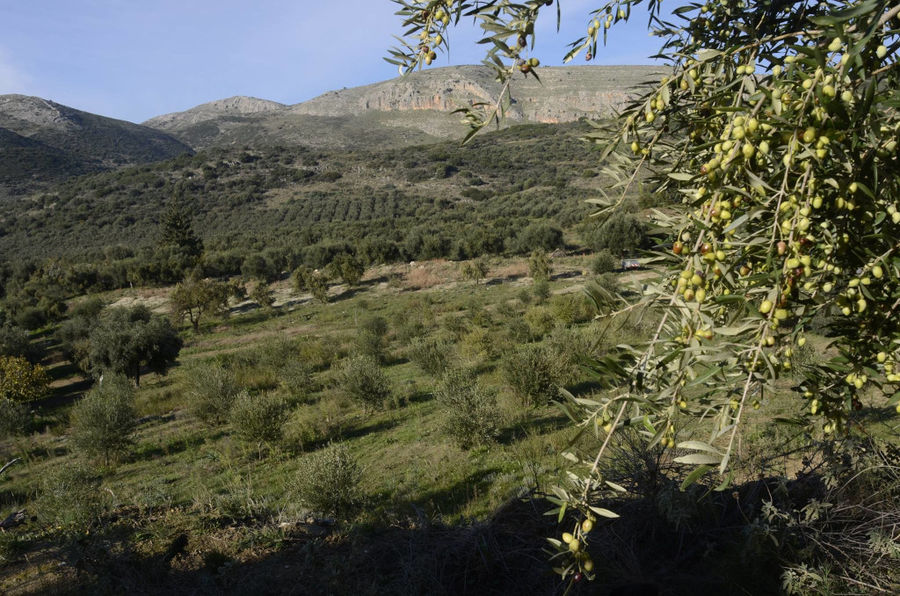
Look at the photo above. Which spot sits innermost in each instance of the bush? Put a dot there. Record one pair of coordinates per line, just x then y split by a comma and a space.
573, 308
328, 480
363, 380
534, 373
71, 499
430, 354
539, 265
296, 377
470, 409
14, 418
540, 321
258, 418
541, 290
211, 392
22, 381
370, 337
622, 233
14, 341
604, 262
104, 420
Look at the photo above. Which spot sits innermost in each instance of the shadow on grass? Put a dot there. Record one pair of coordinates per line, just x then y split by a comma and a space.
176, 445
712, 544
540, 425
502, 555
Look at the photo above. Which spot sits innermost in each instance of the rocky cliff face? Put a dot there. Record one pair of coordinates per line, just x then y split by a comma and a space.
562, 95
233, 106
409, 109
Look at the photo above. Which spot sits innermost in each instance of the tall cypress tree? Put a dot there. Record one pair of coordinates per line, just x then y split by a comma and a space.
178, 230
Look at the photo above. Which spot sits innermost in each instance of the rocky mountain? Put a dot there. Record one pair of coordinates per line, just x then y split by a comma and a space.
407, 110
233, 106
42, 141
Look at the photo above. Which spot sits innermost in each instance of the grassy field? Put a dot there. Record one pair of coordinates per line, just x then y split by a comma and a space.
192, 507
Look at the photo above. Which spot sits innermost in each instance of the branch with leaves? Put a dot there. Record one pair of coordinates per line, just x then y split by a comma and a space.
778, 128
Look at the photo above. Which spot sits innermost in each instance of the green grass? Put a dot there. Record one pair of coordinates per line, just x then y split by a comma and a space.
237, 503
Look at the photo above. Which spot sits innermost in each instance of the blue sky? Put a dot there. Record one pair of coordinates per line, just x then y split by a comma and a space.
134, 59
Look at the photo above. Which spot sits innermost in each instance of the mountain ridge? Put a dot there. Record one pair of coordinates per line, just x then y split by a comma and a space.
417, 106
45, 141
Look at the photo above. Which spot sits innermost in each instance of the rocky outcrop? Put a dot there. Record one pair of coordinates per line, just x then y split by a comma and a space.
238, 105
411, 109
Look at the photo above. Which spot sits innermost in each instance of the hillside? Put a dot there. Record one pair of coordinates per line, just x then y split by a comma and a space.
302, 197
406, 110
43, 141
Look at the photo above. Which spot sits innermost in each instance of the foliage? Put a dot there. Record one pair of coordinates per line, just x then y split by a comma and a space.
376, 221
125, 339
348, 268
15, 341
328, 480
297, 377
312, 281
103, 421
621, 234
778, 129
604, 262
474, 270
196, 298
370, 337
14, 418
363, 380
263, 295
431, 354
539, 265
259, 418
178, 231
22, 381
71, 499
534, 372
470, 410
74, 333
211, 391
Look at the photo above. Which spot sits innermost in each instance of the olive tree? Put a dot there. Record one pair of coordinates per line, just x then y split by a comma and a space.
777, 126
194, 299
126, 339
103, 422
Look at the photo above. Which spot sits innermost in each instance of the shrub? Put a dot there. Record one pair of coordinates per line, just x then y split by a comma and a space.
211, 392
540, 321
296, 377
539, 265
14, 341
370, 337
104, 420
541, 290
430, 354
534, 373
14, 418
470, 409
258, 418
363, 380
22, 381
604, 262
479, 344
328, 480
263, 295
622, 233
571, 308
71, 499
